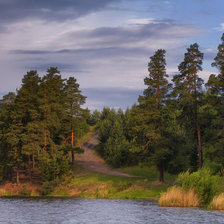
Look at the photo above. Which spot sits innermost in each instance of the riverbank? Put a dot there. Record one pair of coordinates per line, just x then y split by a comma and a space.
84, 183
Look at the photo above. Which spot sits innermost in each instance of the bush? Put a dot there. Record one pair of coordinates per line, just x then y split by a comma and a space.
25, 191
48, 187
205, 185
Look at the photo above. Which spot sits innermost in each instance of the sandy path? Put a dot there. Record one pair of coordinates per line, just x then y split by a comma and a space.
91, 161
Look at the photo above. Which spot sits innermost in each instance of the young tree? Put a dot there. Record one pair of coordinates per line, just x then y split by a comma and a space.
187, 89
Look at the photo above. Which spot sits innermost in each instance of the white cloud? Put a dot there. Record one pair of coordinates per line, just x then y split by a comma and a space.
141, 21
221, 27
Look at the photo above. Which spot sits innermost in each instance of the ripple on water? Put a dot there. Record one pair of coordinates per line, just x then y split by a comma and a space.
98, 211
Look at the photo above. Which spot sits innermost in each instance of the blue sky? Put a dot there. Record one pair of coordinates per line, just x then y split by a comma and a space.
105, 44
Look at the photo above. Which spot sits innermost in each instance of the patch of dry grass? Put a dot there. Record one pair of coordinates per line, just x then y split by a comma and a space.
218, 202
13, 189
177, 197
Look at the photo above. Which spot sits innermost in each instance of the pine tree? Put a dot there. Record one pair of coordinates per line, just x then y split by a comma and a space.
151, 106
51, 101
215, 112
73, 102
187, 89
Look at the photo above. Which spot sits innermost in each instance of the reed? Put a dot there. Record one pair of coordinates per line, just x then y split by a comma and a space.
217, 202
177, 197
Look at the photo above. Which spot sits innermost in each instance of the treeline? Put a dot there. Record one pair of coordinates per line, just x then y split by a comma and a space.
176, 126
40, 125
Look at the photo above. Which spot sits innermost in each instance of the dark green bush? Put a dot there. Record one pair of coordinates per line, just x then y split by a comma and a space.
48, 187
204, 184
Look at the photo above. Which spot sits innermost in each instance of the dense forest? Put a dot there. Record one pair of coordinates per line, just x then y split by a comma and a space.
175, 126
40, 125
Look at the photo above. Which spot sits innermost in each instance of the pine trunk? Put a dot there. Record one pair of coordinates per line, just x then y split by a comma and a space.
73, 157
33, 160
196, 119
199, 145
161, 172
29, 168
17, 177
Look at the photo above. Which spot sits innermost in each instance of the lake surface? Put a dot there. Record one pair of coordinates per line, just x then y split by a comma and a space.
98, 211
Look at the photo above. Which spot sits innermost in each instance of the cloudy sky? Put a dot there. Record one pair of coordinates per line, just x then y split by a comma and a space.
105, 44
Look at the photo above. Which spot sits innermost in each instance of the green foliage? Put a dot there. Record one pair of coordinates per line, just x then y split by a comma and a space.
114, 145
204, 184
48, 187
37, 122
53, 165
25, 191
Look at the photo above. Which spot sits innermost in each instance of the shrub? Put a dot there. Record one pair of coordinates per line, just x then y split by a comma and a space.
48, 187
25, 191
204, 184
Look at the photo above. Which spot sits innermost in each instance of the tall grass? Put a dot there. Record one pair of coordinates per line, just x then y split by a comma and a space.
177, 197
217, 202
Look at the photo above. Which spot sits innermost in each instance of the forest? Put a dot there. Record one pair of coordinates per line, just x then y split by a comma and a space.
176, 125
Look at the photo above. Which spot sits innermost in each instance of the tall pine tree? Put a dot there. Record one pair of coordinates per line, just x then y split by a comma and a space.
151, 106
187, 89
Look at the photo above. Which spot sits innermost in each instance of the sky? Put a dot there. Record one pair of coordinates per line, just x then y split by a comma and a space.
105, 44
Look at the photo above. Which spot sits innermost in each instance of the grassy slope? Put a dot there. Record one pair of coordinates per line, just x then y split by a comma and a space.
88, 184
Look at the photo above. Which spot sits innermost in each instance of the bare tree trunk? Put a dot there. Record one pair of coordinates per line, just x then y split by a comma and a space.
161, 172
199, 145
196, 120
73, 157
29, 168
33, 160
17, 176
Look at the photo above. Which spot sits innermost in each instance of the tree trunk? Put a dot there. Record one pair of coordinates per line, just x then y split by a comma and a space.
196, 119
199, 145
17, 177
73, 158
33, 160
161, 172
29, 168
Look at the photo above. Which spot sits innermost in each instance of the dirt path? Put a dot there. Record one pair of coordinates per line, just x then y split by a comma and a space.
91, 161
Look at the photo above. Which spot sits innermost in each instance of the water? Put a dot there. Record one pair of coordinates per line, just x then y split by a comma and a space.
97, 211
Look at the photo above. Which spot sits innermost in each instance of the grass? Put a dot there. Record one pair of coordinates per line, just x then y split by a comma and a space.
89, 184
23, 189
217, 202
83, 183
147, 172
177, 197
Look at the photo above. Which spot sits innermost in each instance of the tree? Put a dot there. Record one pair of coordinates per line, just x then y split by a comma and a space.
150, 111
187, 90
73, 102
215, 113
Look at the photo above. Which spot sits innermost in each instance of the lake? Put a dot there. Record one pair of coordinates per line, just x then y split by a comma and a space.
98, 211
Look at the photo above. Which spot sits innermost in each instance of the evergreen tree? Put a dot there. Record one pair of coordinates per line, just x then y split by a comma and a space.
187, 90
151, 106
73, 102
215, 113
